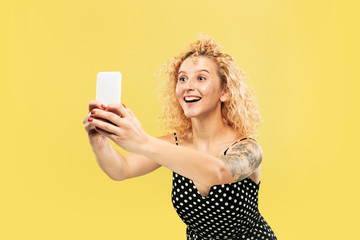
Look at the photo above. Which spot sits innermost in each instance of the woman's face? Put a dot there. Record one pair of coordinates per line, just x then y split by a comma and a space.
198, 87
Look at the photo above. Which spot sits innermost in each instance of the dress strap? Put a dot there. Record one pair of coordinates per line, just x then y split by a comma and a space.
176, 139
243, 139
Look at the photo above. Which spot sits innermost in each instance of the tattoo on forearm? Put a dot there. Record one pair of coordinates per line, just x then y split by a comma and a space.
243, 159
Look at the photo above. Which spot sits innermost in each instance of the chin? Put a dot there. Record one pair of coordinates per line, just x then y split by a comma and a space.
188, 114
191, 114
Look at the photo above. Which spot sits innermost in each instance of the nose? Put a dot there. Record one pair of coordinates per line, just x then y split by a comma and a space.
189, 85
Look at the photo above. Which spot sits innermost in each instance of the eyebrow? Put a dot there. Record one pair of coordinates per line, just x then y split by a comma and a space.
197, 71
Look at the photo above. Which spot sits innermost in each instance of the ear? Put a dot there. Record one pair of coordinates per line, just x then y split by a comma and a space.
225, 94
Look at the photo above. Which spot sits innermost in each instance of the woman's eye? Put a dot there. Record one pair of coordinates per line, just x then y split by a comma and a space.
182, 79
201, 78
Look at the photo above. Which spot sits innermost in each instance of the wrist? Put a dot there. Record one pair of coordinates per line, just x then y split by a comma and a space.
99, 144
146, 147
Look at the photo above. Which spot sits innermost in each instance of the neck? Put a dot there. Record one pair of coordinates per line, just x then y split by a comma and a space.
208, 131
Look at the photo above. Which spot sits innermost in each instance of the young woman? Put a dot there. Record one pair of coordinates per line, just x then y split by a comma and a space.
215, 161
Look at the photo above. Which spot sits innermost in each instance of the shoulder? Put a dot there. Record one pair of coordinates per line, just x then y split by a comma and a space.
170, 138
184, 138
248, 148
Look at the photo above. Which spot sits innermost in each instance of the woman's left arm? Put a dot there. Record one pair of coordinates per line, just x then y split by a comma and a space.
126, 131
240, 161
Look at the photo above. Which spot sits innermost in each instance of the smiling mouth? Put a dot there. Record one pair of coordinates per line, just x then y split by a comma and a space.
192, 99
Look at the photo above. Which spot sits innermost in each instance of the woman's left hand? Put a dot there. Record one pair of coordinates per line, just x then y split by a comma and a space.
121, 126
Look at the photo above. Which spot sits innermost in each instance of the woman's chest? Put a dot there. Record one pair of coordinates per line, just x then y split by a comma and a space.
204, 190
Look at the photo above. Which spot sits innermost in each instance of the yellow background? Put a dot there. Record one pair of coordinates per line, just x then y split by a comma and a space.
302, 58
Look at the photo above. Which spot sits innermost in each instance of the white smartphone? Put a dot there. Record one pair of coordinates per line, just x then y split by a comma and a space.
108, 87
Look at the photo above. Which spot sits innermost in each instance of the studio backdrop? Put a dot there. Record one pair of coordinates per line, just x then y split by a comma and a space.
301, 59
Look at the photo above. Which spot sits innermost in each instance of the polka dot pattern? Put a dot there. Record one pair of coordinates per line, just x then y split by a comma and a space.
229, 211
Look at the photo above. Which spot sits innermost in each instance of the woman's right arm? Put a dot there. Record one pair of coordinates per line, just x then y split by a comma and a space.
121, 167
117, 166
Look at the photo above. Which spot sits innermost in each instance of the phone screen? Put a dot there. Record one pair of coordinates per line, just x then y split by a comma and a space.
108, 87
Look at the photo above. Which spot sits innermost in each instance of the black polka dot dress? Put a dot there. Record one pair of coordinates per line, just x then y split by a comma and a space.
229, 211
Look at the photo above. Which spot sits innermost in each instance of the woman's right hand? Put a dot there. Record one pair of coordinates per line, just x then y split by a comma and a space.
96, 139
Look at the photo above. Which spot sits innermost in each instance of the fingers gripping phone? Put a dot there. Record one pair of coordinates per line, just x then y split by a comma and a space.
108, 87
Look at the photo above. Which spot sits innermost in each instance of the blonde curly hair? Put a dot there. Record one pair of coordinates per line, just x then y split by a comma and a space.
239, 111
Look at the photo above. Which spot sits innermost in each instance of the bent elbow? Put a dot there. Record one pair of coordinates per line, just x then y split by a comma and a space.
218, 176
116, 178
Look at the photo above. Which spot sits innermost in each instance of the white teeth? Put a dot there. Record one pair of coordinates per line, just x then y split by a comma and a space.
192, 98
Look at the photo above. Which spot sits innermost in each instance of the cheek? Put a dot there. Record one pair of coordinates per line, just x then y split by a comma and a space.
178, 92
209, 89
